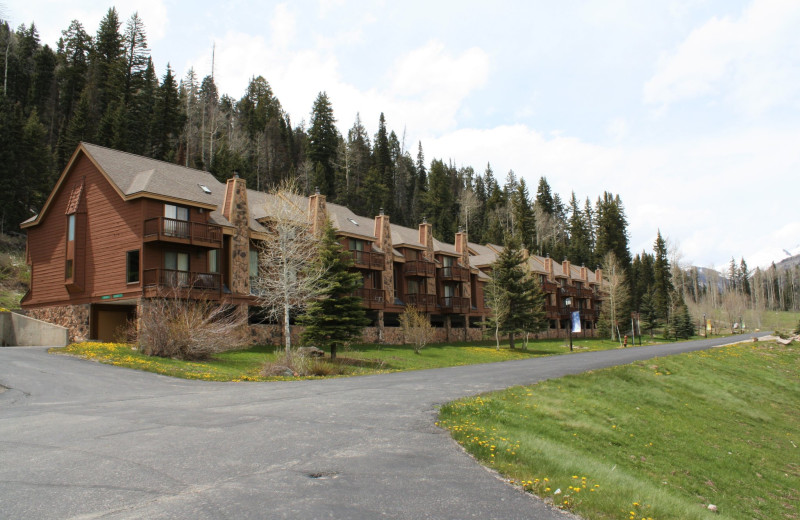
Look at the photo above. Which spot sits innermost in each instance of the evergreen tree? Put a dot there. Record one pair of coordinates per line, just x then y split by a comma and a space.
323, 143
648, 318
337, 317
167, 118
744, 277
662, 279
382, 162
612, 229
521, 292
440, 202
580, 250
107, 63
523, 220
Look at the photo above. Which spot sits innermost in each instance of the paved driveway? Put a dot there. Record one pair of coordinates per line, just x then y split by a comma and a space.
84, 440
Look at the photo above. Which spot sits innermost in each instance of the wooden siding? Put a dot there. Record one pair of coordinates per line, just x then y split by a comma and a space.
112, 227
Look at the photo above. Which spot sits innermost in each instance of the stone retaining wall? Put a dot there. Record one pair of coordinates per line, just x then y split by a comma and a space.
75, 318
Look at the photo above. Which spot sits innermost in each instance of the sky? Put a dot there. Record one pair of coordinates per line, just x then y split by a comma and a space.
689, 110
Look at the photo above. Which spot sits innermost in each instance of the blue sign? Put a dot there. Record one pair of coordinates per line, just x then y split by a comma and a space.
576, 321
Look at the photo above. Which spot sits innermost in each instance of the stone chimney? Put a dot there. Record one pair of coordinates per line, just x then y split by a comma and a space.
462, 248
566, 267
426, 239
317, 212
383, 235
598, 276
548, 266
236, 210
584, 273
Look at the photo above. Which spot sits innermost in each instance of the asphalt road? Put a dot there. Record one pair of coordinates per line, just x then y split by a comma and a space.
84, 440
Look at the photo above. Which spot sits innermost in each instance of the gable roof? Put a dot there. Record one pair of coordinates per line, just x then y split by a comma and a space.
133, 176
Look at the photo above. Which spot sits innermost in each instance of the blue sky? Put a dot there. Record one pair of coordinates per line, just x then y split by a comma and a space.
688, 109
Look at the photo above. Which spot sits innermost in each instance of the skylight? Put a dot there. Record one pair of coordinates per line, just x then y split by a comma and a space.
353, 221
204, 188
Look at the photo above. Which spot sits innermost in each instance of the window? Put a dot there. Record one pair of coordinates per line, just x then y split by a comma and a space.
68, 270
253, 264
411, 254
447, 261
176, 266
413, 287
132, 267
71, 228
213, 261
356, 245
176, 221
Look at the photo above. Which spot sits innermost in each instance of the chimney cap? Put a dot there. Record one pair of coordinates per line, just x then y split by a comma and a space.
424, 219
316, 190
235, 175
381, 212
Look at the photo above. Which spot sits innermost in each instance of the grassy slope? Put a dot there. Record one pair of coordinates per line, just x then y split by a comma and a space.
657, 439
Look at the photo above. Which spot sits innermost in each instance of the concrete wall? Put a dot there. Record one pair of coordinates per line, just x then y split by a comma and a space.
22, 331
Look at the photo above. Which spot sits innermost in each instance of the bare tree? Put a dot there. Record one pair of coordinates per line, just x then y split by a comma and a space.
417, 328
498, 300
288, 275
469, 205
616, 289
734, 305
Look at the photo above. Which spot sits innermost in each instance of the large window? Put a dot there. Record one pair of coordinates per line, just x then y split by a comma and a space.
176, 221
176, 266
132, 267
69, 270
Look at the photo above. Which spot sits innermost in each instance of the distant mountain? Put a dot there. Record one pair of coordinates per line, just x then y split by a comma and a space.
789, 263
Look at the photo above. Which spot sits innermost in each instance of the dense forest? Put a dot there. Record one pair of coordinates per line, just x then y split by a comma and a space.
104, 89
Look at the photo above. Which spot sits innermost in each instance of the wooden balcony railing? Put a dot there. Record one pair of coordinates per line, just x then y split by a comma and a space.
172, 279
553, 312
419, 268
423, 302
550, 287
373, 298
182, 231
585, 293
454, 273
369, 259
454, 304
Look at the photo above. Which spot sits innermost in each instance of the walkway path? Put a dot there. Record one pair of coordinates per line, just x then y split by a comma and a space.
85, 440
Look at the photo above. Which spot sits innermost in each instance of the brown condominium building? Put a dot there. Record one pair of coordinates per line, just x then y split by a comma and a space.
119, 228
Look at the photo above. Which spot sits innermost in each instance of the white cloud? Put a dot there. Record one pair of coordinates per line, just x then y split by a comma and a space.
751, 62
282, 26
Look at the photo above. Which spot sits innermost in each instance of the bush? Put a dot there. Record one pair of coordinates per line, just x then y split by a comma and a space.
296, 364
417, 329
189, 330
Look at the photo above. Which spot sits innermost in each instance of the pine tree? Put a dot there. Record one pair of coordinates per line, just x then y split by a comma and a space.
167, 119
662, 279
520, 292
323, 142
579, 251
612, 229
382, 162
337, 317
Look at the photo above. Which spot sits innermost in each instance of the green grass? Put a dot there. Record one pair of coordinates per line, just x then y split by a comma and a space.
658, 439
245, 365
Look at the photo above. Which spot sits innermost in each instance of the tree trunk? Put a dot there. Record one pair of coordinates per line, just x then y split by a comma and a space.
511, 340
287, 329
333, 351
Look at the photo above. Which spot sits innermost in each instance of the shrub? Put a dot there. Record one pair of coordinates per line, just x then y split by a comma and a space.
189, 330
417, 329
296, 364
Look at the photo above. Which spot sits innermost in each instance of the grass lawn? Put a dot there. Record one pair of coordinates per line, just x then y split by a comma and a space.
657, 439
245, 365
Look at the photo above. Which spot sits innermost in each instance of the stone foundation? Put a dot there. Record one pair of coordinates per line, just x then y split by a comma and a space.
74, 317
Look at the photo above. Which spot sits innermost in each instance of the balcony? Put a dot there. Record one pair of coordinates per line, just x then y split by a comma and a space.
585, 293
550, 287
553, 312
368, 259
423, 302
373, 298
182, 232
454, 304
419, 268
454, 273
181, 282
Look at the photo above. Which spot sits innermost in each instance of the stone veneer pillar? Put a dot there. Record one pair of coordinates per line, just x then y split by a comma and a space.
462, 248
383, 235
426, 239
317, 212
236, 210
